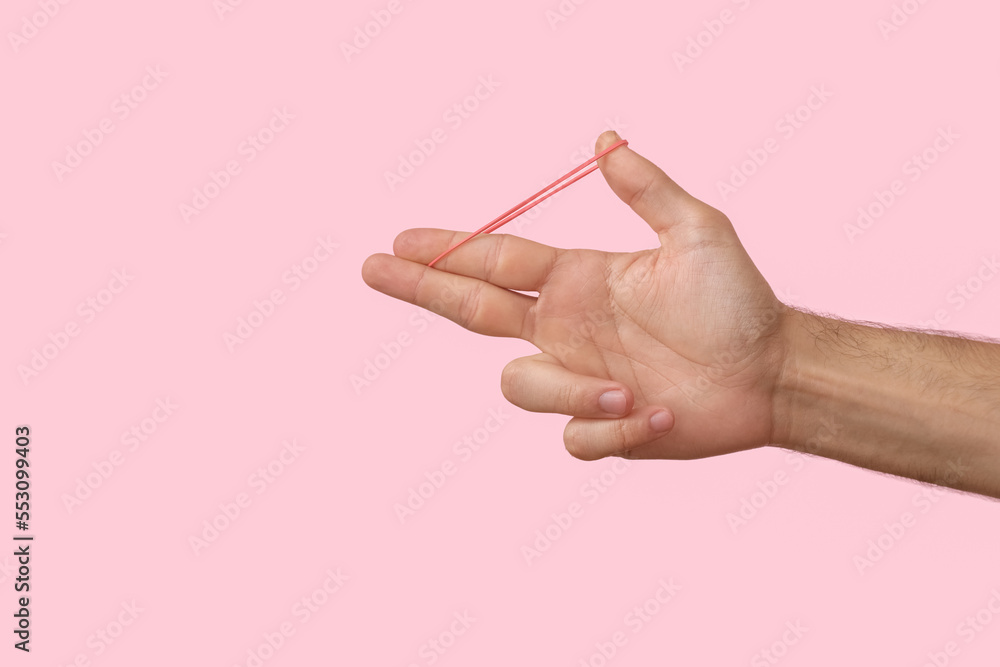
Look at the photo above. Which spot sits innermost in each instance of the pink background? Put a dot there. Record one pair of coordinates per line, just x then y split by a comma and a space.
331, 505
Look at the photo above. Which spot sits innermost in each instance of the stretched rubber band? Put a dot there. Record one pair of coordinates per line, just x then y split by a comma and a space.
533, 200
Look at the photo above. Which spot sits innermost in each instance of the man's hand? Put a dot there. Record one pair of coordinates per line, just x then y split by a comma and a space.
683, 351
672, 352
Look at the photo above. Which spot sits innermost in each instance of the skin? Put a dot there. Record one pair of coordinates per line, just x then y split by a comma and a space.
683, 351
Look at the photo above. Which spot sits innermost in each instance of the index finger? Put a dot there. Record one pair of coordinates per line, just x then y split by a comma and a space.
479, 306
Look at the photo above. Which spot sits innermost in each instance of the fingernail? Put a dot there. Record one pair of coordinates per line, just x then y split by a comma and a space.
613, 402
661, 421
618, 137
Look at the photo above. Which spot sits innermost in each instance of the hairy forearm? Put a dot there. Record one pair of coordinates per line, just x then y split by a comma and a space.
914, 404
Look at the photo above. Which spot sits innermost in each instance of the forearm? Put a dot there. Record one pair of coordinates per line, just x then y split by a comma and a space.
913, 404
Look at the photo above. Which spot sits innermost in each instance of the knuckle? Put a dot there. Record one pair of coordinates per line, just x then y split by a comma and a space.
620, 435
567, 397
640, 193
470, 305
708, 227
494, 257
622, 438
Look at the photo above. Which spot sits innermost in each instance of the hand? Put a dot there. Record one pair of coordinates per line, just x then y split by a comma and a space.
672, 352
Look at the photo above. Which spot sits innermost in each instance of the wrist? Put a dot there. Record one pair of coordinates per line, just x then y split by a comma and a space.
822, 394
797, 347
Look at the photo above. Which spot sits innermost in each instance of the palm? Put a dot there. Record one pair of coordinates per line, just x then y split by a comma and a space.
676, 330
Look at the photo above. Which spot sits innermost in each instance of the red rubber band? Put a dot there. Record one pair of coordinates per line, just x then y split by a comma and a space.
533, 200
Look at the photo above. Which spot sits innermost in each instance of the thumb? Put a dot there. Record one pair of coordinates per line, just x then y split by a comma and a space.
670, 211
